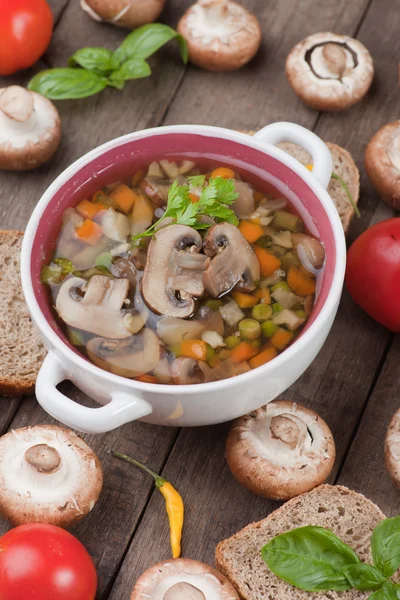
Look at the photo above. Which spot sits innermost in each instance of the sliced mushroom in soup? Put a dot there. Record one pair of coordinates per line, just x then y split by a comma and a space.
186, 273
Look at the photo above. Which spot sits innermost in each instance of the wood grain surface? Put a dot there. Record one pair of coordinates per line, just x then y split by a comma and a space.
353, 383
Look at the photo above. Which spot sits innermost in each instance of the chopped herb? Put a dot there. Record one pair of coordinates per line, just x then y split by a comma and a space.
197, 180
348, 193
213, 201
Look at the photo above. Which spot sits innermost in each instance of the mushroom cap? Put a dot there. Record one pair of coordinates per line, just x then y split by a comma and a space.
99, 311
234, 263
47, 475
330, 72
30, 129
222, 35
165, 266
392, 448
124, 13
280, 450
129, 357
209, 584
382, 163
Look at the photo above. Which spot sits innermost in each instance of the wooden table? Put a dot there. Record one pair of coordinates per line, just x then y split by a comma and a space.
354, 383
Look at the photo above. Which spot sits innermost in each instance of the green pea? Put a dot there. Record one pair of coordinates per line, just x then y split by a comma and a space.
261, 312
277, 307
232, 341
250, 329
214, 304
282, 285
224, 353
301, 314
268, 329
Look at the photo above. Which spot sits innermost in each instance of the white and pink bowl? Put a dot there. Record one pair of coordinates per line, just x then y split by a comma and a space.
122, 400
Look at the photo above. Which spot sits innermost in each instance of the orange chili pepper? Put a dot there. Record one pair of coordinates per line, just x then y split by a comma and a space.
173, 502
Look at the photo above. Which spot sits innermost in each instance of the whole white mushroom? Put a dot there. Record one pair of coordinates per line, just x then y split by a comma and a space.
30, 129
47, 475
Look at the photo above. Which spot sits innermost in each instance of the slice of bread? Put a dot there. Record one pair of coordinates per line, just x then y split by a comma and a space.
22, 352
348, 514
343, 166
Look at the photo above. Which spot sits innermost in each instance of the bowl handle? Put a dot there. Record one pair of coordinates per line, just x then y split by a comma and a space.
291, 132
121, 408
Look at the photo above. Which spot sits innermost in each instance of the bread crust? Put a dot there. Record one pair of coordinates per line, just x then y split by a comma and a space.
223, 567
392, 448
15, 386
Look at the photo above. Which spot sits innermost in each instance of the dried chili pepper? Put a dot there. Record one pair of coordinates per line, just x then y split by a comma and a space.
173, 502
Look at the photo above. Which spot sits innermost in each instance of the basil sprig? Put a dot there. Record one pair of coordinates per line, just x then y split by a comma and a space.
91, 70
314, 559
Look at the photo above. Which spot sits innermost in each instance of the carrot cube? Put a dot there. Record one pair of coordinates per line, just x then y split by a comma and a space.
244, 300
89, 232
223, 172
244, 351
250, 231
281, 338
88, 210
263, 357
124, 196
269, 263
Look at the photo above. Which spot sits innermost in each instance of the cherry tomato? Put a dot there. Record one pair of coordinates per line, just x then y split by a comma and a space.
373, 272
25, 32
44, 562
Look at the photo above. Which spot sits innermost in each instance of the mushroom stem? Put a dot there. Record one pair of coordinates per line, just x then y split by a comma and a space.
43, 458
16, 103
214, 11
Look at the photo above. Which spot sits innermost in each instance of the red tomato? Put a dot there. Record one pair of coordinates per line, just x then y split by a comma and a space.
373, 272
44, 562
25, 32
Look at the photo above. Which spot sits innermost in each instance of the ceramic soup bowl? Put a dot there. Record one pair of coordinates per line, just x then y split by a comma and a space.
122, 400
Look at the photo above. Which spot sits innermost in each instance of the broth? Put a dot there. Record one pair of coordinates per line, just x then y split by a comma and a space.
182, 276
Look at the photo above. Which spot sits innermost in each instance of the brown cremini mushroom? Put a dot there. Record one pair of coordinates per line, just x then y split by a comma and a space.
94, 307
392, 448
280, 450
309, 250
183, 579
330, 72
47, 475
124, 13
222, 35
173, 272
30, 129
130, 357
234, 263
382, 163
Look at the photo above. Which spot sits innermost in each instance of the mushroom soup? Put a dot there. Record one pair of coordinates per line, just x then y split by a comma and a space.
182, 276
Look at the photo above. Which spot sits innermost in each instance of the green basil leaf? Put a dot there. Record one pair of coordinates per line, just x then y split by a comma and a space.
146, 40
135, 68
364, 577
385, 544
97, 60
63, 84
389, 591
310, 558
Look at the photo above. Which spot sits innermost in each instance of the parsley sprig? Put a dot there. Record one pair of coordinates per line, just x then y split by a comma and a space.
214, 201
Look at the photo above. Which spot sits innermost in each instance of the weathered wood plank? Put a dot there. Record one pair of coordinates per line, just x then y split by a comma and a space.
107, 530
338, 382
8, 408
260, 93
364, 469
90, 122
